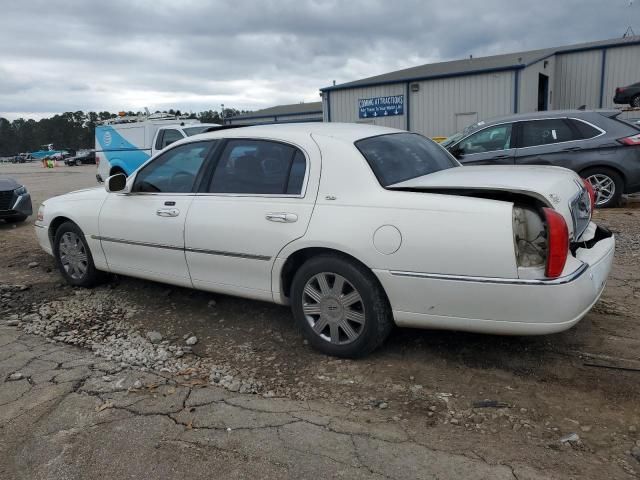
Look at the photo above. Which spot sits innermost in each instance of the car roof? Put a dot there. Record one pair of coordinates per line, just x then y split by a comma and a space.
349, 132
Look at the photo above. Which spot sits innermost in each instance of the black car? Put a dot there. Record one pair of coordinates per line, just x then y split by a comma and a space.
82, 158
630, 95
15, 201
596, 144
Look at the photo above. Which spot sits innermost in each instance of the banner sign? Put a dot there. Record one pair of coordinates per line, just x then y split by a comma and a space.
381, 106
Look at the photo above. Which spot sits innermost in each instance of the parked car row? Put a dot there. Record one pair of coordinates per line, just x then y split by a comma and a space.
596, 144
83, 157
357, 227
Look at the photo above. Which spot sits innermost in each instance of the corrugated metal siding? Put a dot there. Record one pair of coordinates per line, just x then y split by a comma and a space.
344, 105
622, 68
528, 101
434, 107
578, 79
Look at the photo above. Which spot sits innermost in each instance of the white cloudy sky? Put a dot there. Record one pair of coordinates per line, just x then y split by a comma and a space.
115, 55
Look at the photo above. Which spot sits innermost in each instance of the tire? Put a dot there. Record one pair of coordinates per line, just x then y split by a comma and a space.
348, 330
16, 219
599, 177
635, 101
78, 163
69, 237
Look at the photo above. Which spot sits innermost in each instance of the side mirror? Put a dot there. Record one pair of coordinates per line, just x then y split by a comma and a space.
116, 183
457, 151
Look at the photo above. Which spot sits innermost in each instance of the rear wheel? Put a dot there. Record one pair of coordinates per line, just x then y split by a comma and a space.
78, 163
73, 256
607, 185
340, 306
635, 101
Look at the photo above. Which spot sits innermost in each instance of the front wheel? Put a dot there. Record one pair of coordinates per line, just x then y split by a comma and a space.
607, 185
73, 256
340, 306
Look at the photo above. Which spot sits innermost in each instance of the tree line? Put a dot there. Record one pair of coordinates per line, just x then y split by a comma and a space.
73, 130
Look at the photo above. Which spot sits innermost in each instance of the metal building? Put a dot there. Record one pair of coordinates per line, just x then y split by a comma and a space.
440, 99
297, 112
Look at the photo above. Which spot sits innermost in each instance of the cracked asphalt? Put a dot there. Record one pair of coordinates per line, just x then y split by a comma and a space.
72, 415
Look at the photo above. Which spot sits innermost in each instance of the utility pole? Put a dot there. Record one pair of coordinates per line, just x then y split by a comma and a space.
222, 113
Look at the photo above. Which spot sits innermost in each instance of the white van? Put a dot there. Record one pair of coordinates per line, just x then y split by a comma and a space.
125, 143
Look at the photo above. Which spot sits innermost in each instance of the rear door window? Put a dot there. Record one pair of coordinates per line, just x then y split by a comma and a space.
259, 167
546, 132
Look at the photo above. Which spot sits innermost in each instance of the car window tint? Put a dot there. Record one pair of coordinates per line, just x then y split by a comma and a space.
545, 132
174, 171
584, 129
488, 140
170, 136
397, 157
259, 167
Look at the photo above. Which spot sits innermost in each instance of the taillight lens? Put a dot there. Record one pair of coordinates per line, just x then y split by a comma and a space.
619, 89
591, 191
558, 243
97, 160
632, 140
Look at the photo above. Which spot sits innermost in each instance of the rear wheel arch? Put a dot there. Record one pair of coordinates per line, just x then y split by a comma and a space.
299, 257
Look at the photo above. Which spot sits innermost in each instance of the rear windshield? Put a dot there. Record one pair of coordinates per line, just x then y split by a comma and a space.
397, 157
195, 130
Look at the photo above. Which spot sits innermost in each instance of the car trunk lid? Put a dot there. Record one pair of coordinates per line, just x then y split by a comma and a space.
556, 187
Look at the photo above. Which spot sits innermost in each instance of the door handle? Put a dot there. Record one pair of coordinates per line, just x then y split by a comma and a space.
502, 156
572, 149
167, 212
282, 217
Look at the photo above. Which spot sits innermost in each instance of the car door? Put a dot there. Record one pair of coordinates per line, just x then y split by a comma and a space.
142, 232
550, 141
259, 198
489, 146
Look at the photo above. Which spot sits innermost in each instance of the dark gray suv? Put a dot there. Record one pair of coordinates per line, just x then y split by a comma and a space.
596, 144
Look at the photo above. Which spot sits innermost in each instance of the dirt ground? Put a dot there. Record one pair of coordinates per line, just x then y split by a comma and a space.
584, 381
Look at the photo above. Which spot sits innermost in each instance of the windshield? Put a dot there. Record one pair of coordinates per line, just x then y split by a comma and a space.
397, 157
195, 130
457, 136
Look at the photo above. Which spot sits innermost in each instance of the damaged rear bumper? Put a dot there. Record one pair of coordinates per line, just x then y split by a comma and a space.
503, 305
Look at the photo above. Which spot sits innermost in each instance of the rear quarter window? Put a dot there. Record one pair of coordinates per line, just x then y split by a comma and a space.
585, 130
397, 157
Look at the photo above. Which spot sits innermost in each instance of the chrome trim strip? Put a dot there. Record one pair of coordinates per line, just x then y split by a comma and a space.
247, 256
133, 242
503, 281
229, 254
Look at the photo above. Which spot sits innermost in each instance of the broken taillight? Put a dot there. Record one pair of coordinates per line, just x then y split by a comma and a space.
558, 243
633, 140
591, 191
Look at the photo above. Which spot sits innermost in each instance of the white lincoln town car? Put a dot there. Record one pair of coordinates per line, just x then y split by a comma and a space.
356, 227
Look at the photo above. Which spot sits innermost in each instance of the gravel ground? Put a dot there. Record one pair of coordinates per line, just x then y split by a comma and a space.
565, 403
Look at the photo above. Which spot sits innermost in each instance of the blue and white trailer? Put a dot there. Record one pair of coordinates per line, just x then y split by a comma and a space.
125, 143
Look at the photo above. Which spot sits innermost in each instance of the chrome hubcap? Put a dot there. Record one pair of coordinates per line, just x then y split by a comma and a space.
73, 255
333, 308
603, 186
